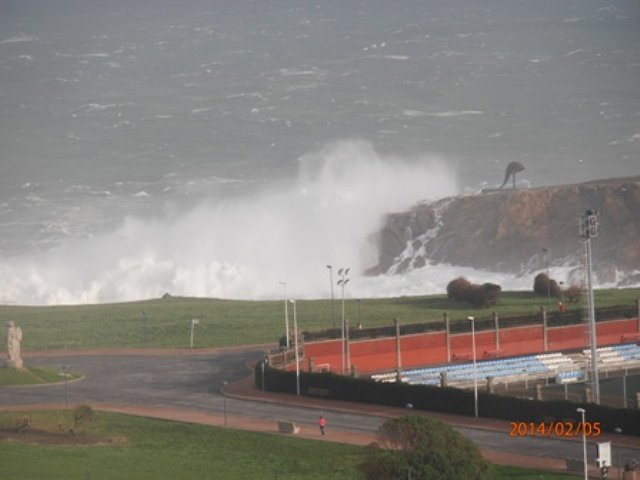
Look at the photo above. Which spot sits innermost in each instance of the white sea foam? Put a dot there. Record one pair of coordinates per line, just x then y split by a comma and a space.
241, 248
21, 38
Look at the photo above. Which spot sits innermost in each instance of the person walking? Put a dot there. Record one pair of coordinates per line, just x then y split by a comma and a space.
322, 422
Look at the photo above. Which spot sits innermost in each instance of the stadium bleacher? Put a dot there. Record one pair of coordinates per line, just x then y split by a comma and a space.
556, 365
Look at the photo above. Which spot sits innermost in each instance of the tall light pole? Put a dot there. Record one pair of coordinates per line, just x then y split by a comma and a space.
546, 254
333, 307
194, 322
475, 370
618, 431
589, 230
342, 273
286, 314
295, 343
581, 411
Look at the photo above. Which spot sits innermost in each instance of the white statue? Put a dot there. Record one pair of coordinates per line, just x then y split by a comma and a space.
14, 337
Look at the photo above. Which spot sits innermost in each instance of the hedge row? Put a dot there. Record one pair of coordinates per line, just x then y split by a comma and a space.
444, 400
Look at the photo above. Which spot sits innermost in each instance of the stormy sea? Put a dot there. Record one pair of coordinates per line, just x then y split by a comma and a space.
211, 148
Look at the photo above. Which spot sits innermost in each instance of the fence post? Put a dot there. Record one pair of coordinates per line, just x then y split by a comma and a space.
638, 313
447, 336
543, 312
398, 354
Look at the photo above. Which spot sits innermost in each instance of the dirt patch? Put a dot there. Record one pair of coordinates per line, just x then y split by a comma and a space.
44, 437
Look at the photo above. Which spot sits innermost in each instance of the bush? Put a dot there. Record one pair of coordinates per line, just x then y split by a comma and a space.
543, 285
482, 296
82, 414
573, 293
419, 447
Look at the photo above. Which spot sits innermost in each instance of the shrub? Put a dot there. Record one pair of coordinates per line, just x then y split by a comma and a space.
573, 293
543, 285
462, 290
81, 414
420, 447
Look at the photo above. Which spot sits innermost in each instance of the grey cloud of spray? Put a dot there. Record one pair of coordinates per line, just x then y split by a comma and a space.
241, 248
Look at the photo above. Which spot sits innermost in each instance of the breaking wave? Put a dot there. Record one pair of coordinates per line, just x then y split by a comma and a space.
242, 247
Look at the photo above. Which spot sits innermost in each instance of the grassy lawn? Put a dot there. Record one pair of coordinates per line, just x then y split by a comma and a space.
32, 376
234, 322
139, 448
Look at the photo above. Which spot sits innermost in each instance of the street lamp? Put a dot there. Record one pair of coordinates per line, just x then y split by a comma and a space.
224, 401
144, 314
342, 273
66, 386
194, 322
286, 314
295, 343
333, 307
582, 411
475, 370
618, 431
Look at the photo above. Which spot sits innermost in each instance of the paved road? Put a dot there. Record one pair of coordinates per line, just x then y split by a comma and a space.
193, 382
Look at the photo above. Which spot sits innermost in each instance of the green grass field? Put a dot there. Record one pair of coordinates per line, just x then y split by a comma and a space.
232, 322
33, 376
156, 449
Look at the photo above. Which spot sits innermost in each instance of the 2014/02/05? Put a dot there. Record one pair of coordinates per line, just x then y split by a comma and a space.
556, 429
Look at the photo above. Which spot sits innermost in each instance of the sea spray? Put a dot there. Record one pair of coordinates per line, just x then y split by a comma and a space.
241, 247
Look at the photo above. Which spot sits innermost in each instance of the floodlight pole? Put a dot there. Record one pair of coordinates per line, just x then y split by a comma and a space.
286, 314
342, 273
589, 230
581, 411
475, 370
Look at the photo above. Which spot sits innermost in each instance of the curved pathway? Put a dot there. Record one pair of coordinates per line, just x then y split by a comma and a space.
187, 385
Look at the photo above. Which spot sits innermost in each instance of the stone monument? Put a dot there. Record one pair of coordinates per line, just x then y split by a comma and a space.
14, 337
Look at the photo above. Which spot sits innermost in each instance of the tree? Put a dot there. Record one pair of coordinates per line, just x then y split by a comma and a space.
543, 285
418, 448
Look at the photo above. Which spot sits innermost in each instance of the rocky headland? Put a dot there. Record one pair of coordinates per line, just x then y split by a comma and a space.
508, 231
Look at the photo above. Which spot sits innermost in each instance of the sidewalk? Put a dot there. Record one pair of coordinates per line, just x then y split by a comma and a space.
244, 389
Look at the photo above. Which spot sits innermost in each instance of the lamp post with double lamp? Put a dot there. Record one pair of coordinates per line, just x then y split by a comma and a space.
295, 346
333, 307
286, 314
475, 370
618, 431
582, 412
342, 273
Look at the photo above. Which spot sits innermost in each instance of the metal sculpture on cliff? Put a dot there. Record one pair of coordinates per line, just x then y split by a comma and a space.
14, 337
511, 170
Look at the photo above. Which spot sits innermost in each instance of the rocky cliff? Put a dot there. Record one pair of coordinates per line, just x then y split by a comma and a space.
508, 230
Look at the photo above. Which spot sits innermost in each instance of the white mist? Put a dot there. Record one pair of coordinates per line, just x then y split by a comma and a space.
242, 248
